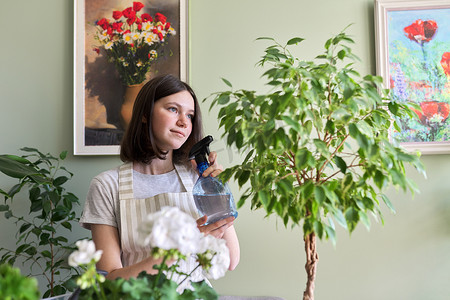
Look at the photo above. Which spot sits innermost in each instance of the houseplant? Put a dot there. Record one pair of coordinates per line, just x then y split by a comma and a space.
318, 147
42, 245
173, 236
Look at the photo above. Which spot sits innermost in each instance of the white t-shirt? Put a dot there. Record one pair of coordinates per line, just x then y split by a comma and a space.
102, 201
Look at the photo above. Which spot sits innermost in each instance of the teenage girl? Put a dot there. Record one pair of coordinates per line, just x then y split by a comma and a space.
165, 124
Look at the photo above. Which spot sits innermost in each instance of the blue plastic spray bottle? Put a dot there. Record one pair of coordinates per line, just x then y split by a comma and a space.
212, 197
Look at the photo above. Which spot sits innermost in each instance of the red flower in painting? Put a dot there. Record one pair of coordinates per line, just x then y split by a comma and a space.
445, 63
146, 18
137, 6
421, 31
160, 18
117, 14
117, 26
430, 109
103, 23
130, 21
129, 13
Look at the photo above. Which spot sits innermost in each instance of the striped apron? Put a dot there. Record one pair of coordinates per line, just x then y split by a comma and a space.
133, 211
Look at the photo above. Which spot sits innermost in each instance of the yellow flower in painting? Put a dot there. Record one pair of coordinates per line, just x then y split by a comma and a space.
139, 63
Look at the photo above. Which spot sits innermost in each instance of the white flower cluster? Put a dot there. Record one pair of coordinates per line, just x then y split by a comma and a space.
171, 228
85, 254
220, 254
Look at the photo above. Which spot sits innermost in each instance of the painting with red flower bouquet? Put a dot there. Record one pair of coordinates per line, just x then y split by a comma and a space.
119, 46
413, 57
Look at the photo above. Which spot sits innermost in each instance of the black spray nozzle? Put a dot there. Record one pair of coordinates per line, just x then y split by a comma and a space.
200, 151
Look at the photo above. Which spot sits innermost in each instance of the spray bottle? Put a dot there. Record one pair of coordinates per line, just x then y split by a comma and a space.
212, 197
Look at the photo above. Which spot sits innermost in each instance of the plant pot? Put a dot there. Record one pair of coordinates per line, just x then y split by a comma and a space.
59, 297
129, 97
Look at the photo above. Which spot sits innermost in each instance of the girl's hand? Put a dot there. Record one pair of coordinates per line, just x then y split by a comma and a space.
214, 168
216, 229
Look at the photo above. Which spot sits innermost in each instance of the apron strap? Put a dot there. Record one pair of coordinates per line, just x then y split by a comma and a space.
186, 177
126, 182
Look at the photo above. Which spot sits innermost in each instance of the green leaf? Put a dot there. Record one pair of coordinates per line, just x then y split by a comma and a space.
293, 124
331, 234
364, 219
226, 82
24, 227
263, 197
294, 41
265, 38
15, 169
223, 99
340, 163
322, 147
244, 177
302, 158
319, 194
388, 203
352, 217
60, 180
63, 155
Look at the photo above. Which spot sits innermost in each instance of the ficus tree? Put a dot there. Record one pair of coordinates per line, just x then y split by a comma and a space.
318, 150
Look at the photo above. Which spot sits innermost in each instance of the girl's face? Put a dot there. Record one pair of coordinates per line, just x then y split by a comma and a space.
172, 120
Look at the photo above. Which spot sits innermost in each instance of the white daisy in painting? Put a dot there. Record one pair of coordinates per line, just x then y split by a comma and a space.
171, 31
147, 26
109, 45
152, 55
128, 38
135, 36
103, 35
150, 38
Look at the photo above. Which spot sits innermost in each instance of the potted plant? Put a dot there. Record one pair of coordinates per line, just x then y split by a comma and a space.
173, 236
14, 285
41, 239
318, 143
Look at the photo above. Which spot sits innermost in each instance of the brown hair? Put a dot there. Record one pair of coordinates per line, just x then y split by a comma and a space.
138, 143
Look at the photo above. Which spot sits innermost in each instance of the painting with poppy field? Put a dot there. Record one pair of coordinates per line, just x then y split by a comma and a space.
413, 57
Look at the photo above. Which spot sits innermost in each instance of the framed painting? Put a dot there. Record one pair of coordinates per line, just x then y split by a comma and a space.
413, 57
118, 46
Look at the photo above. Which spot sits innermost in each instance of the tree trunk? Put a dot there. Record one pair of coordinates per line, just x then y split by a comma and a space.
311, 264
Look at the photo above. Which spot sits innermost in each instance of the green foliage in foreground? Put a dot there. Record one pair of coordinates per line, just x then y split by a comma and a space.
318, 143
146, 286
14, 285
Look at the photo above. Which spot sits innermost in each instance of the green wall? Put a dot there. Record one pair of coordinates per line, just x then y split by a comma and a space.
407, 258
